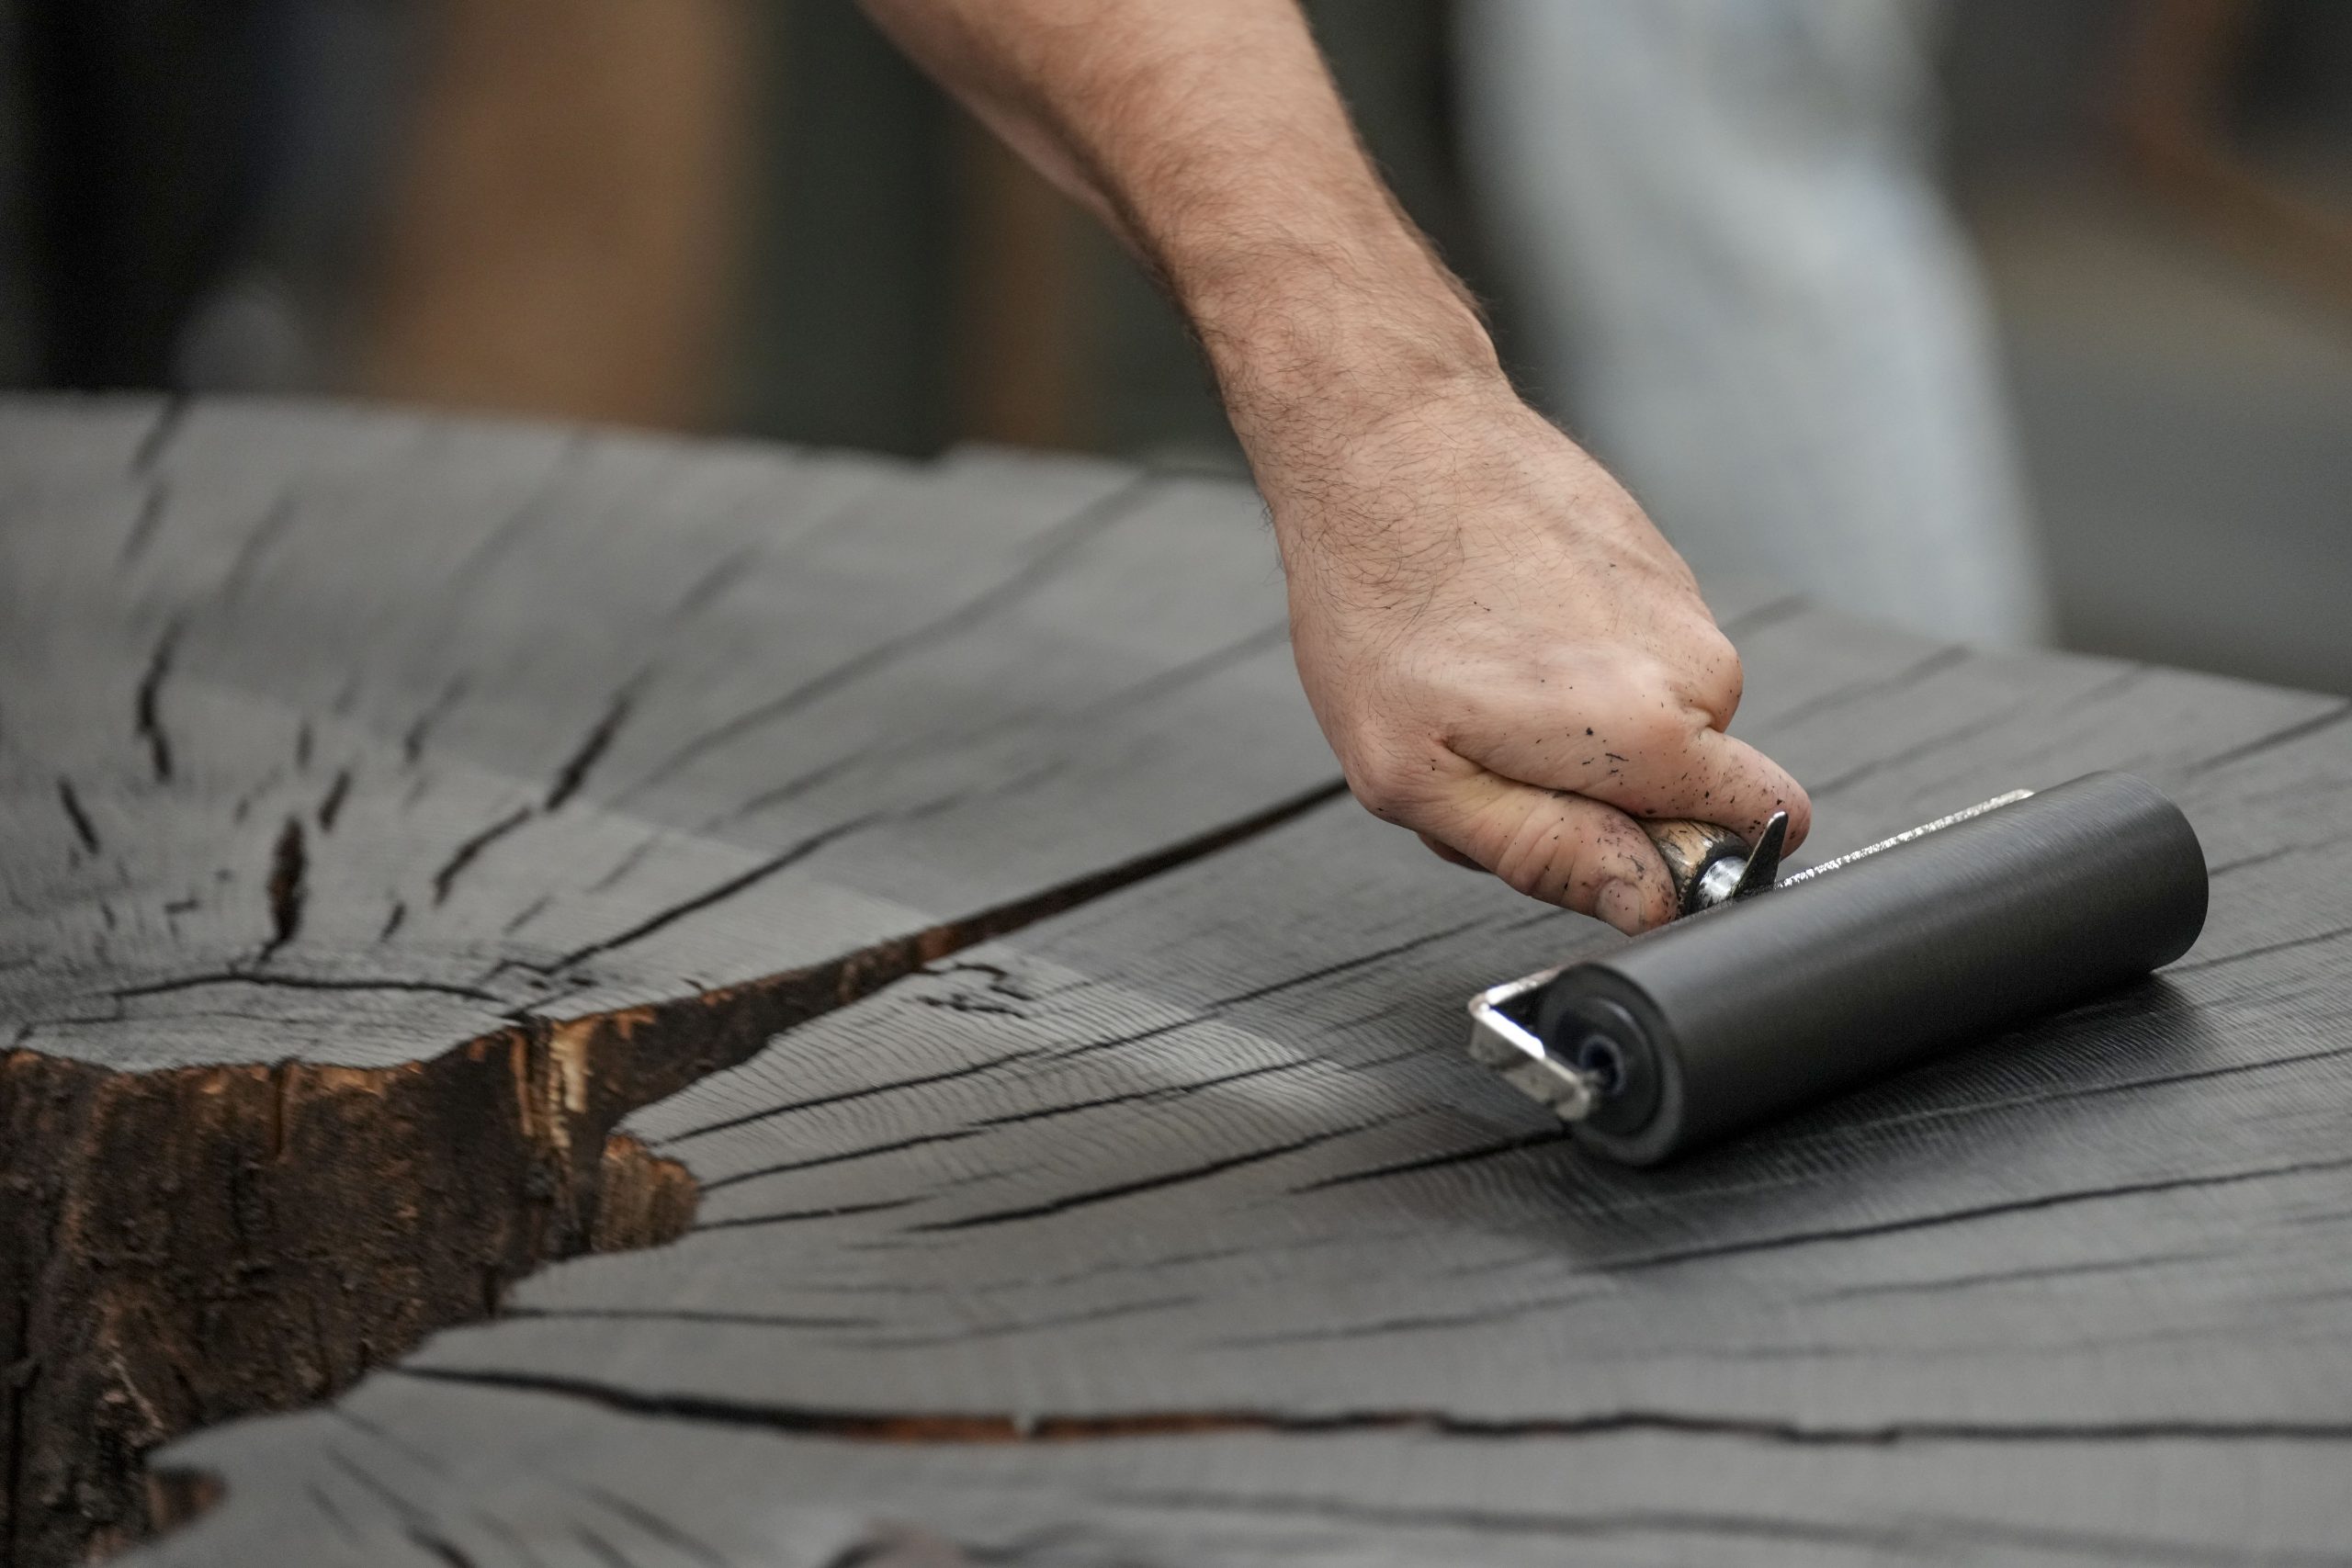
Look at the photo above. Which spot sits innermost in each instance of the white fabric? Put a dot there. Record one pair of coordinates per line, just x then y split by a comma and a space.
1719, 219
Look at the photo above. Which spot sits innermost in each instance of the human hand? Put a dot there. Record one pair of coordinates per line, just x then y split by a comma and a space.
1506, 655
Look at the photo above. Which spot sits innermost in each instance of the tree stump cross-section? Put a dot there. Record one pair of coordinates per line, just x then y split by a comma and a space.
901, 920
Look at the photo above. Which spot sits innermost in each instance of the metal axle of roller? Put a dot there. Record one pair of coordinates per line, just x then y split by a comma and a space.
1770, 992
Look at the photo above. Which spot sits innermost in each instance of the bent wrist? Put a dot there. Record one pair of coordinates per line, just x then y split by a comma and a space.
1335, 337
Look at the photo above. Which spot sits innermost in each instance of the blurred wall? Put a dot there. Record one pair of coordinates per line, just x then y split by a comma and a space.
2179, 337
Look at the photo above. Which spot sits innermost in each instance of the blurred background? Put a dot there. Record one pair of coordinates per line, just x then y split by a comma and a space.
2069, 279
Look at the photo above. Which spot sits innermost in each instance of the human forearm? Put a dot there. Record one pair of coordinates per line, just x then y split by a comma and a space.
1209, 135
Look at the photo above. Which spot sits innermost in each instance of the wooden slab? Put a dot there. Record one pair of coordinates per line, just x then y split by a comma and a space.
1171, 1227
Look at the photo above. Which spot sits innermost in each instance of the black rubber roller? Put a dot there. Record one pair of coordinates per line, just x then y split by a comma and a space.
1740, 1013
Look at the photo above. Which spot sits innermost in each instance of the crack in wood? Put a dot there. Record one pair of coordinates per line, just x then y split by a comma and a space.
1053, 550
1977, 1278
797, 1216
965, 1334
438, 1547
740, 881
2328, 719
1192, 671
574, 449
787, 790
1217, 1007
2316, 939
654, 1525
1152, 688
2100, 1194
331, 1512
146, 713
1909, 754
970, 1428
574, 771
1149, 1096
1346, 966
331, 805
527, 914
841, 1156
599, 1548
964, 1002
466, 854
2108, 690
299, 983
192, 1243
890, 1544
288, 869
413, 742
415, 1524
731, 569
83, 830
1541, 1137
265, 532
142, 533
1910, 675
864, 1091
1118, 1190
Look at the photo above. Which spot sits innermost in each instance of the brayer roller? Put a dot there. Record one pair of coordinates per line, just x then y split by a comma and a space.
1775, 991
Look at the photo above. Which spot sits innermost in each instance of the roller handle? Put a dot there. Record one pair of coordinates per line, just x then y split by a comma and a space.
1711, 865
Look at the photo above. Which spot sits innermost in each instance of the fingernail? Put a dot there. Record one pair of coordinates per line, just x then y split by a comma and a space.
1620, 905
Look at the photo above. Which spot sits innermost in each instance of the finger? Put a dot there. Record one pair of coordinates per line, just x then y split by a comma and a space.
1564, 849
1718, 779
1447, 853
1662, 762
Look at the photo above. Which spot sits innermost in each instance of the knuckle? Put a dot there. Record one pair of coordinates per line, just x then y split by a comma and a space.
1382, 787
1637, 683
1716, 677
1379, 796
1659, 728
1394, 775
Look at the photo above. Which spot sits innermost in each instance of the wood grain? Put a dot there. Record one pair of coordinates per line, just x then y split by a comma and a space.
460, 788
1167, 1226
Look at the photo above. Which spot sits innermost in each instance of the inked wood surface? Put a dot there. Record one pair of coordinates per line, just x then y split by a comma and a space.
1169, 1225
